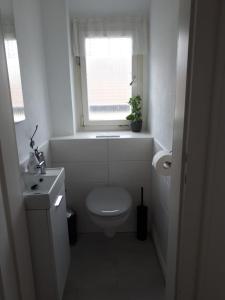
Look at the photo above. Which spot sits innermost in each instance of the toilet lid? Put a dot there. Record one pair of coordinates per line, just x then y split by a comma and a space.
108, 201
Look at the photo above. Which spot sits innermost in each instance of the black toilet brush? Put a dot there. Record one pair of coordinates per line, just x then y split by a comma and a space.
142, 219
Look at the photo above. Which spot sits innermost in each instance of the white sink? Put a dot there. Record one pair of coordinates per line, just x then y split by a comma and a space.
41, 190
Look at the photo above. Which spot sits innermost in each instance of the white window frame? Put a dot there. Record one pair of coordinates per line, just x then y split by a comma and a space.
81, 93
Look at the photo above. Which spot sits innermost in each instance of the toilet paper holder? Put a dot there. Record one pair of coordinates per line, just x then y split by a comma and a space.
167, 165
162, 162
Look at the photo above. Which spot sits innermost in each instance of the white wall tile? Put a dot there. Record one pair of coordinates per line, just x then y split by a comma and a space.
78, 150
132, 175
130, 149
75, 197
160, 190
160, 203
85, 172
88, 165
130, 172
135, 192
160, 223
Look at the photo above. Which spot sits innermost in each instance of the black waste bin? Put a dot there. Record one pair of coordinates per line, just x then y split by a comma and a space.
72, 226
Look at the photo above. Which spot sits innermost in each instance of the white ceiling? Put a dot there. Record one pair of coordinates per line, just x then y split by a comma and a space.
6, 7
108, 7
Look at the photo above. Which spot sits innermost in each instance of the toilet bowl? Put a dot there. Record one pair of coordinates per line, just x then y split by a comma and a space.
108, 207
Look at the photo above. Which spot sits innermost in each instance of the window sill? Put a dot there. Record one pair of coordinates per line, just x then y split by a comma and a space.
105, 135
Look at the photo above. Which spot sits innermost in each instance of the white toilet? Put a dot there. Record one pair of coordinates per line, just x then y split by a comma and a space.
109, 207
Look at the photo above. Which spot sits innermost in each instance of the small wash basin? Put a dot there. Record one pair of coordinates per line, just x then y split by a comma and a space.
41, 189
38, 183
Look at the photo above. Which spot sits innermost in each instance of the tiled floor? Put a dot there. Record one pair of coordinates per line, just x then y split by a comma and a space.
114, 269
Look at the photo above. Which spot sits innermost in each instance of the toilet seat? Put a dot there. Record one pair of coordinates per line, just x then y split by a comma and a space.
108, 201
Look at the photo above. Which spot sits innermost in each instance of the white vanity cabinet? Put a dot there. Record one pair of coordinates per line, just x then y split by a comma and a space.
49, 240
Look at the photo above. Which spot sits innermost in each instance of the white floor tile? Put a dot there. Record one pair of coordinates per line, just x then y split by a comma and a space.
114, 269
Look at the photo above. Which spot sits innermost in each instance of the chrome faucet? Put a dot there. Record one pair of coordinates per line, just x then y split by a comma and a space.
41, 161
42, 166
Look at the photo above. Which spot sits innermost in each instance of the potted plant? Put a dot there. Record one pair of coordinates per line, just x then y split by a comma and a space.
135, 117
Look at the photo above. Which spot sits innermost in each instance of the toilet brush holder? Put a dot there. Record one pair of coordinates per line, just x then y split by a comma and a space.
142, 219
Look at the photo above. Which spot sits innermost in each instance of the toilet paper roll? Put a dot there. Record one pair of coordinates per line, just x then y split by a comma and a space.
162, 162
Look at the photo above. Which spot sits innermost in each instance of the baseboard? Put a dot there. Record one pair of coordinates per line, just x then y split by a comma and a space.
159, 252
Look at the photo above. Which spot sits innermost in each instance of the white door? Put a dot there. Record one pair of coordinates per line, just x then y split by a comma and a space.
197, 53
8, 273
211, 279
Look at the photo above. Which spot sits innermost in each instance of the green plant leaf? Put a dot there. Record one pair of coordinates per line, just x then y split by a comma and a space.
135, 104
130, 117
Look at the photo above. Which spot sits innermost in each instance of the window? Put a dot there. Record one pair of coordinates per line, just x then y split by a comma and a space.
109, 67
108, 73
14, 77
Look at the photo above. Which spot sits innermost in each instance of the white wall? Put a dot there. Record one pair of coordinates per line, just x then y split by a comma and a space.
108, 7
103, 8
42, 29
55, 30
59, 62
163, 47
6, 8
28, 25
97, 162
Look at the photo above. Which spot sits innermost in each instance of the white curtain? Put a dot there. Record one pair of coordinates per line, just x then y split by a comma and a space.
134, 27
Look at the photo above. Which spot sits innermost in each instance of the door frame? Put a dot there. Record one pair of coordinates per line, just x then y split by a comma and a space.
10, 181
210, 283
195, 70
9, 288
198, 25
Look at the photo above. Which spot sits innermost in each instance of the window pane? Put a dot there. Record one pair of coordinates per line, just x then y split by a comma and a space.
14, 79
109, 73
